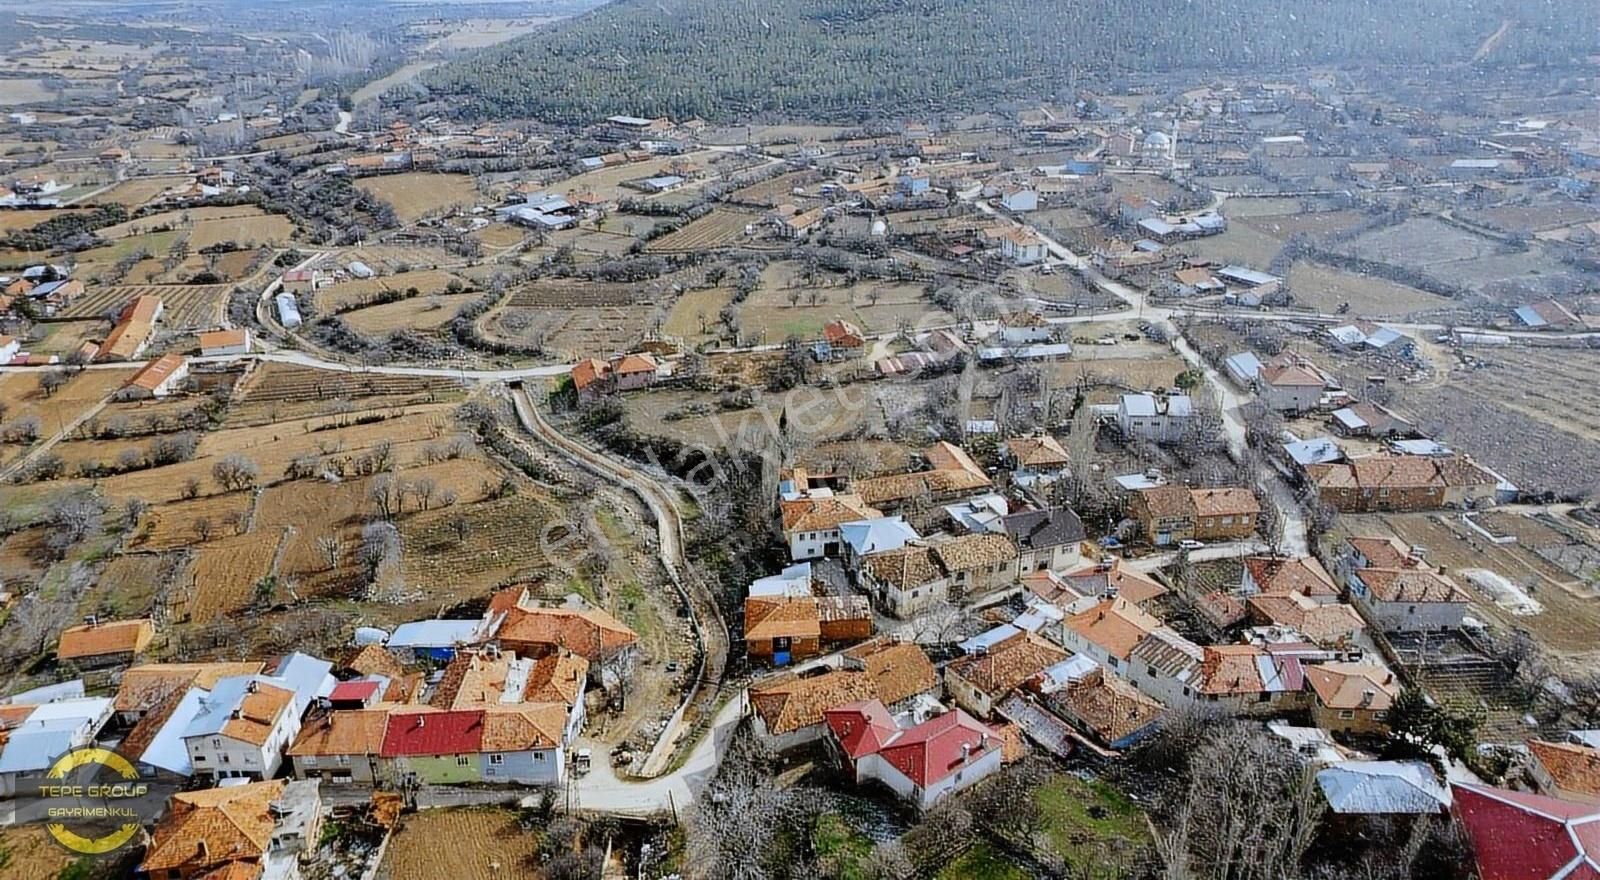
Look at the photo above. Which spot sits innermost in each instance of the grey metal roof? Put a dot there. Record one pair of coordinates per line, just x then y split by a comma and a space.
1033, 529
1382, 787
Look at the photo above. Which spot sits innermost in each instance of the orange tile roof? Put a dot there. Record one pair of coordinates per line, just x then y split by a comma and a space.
898, 670
1225, 502
1341, 685
125, 339
1384, 552
1231, 669
1043, 451
589, 632
1573, 768
471, 679
1116, 625
946, 456
353, 732
257, 714
824, 514
557, 677
523, 728
100, 639
154, 373
1111, 707
772, 618
789, 703
1278, 575
223, 338
209, 828
374, 660
589, 371
977, 551
1007, 665
1411, 585
910, 566
635, 363
1321, 623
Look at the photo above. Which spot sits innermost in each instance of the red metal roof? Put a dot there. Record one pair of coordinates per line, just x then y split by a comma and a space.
932, 750
433, 733
1521, 836
353, 690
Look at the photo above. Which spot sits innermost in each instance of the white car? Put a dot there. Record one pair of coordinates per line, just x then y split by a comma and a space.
1190, 544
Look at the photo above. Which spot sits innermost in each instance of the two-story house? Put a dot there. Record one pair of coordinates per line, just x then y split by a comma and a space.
242, 728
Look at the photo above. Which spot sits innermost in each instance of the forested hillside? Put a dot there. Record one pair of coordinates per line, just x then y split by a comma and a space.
847, 59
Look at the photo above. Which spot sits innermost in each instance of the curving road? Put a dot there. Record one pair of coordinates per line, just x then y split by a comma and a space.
710, 631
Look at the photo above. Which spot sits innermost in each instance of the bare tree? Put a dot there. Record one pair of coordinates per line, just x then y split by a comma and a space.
425, 489
203, 529
387, 494
234, 472
332, 549
190, 488
51, 381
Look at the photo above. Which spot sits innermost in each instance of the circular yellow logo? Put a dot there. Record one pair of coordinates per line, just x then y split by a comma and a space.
99, 815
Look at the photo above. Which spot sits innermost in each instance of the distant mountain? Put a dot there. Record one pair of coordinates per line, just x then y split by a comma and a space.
850, 59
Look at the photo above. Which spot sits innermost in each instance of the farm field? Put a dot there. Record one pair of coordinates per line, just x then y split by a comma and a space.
174, 220
825, 416
607, 182
1532, 414
501, 544
1315, 224
1324, 288
22, 393
246, 230
417, 194
773, 192
277, 391
569, 333
1240, 244
136, 193
226, 572
587, 240
684, 321
482, 843
424, 313
1420, 241
64, 337
13, 219
25, 91
393, 259
100, 261
768, 314
500, 235
1533, 218
188, 306
347, 294
1115, 373
721, 228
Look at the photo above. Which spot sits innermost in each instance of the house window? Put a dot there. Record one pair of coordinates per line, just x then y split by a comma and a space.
344, 760
216, 743
462, 760
1381, 715
1347, 714
497, 759
1112, 661
309, 760
1411, 609
538, 756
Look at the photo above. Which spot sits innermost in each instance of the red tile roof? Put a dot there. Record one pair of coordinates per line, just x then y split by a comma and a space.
353, 690
433, 733
862, 727
1521, 836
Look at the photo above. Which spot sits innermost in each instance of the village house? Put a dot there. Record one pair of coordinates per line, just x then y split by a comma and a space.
1403, 482
1158, 418
976, 564
876, 535
1113, 577
218, 343
905, 581
242, 728
1024, 327
1023, 248
255, 830
1326, 624
1369, 420
343, 747
841, 340
436, 747
811, 525
1035, 461
1519, 835
923, 763
134, 329
1568, 771
1290, 384
527, 629
787, 710
300, 281
951, 475
1047, 539
1398, 590
115, 643
979, 681
36, 734
1100, 705
144, 686
158, 378
1352, 697
1547, 315
1108, 631
1173, 514
593, 378
1383, 788
784, 630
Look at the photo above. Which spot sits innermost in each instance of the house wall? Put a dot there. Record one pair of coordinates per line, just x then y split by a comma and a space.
1291, 398
905, 604
533, 767
635, 381
967, 695
223, 756
1224, 528
813, 545
1410, 617
1059, 558
441, 769
1360, 720
241, 348
1376, 500
799, 649
362, 769
853, 630
1467, 496
987, 579
782, 742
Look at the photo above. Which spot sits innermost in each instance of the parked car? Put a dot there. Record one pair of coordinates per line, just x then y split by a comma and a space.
1190, 544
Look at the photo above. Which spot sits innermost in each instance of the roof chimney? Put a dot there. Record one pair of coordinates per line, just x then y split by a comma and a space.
1367, 695
966, 752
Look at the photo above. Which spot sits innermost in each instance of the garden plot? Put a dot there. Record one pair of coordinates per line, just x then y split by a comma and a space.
186, 306
418, 194
1503, 592
722, 227
360, 291
1324, 289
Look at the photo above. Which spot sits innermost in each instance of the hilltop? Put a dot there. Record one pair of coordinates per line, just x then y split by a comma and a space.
838, 58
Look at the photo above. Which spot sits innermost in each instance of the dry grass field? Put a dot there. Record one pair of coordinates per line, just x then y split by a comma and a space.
773, 192
172, 526
768, 313
138, 192
273, 392
12, 220
391, 259
355, 292
723, 227
1324, 289
501, 544
1312, 223
34, 854
417, 194
482, 843
245, 231
175, 220
422, 313
1240, 244
226, 572
684, 321
607, 182
569, 333
25, 399
25, 91
188, 306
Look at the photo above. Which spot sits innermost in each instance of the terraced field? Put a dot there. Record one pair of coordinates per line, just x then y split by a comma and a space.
188, 306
